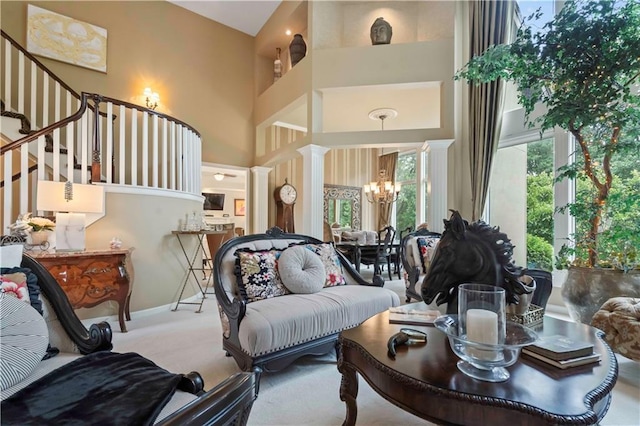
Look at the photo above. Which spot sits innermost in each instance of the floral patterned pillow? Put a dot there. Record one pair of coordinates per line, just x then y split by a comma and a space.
427, 247
15, 285
257, 274
332, 265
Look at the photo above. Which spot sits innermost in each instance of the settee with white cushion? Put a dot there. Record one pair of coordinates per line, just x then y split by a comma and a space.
282, 296
360, 237
80, 381
416, 251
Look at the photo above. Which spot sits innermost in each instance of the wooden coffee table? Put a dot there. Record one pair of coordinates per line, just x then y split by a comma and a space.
424, 380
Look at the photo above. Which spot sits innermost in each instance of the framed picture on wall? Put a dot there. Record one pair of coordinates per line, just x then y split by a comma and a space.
65, 39
238, 207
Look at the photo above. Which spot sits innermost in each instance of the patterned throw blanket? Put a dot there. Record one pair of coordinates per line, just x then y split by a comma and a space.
104, 388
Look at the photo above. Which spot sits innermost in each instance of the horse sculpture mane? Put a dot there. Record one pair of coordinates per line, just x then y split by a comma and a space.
466, 253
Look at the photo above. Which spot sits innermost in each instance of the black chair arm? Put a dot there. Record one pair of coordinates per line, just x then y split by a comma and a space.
228, 403
96, 338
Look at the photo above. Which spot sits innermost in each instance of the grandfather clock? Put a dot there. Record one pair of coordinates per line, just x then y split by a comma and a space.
285, 196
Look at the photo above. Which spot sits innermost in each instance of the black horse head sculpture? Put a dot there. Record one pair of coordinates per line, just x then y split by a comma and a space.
475, 253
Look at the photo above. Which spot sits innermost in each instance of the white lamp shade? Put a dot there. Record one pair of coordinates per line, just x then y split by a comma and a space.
86, 198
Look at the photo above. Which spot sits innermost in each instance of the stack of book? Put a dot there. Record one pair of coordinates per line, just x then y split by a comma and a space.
413, 314
562, 351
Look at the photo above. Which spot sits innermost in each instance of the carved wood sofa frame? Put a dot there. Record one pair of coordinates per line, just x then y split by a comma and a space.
235, 309
228, 403
413, 272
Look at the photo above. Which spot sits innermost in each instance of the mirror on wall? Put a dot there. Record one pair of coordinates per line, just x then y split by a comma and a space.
342, 205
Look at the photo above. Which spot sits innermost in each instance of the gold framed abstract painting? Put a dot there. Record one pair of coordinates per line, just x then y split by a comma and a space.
65, 39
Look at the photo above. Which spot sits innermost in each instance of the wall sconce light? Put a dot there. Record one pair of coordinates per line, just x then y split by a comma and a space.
218, 176
152, 98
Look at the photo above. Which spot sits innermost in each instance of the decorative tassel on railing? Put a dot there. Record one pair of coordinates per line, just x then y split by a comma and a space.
68, 191
126, 142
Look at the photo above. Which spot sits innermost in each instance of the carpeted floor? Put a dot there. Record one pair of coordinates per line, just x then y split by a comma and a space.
306, 393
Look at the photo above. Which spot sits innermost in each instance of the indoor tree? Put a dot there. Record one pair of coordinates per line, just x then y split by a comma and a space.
584, 67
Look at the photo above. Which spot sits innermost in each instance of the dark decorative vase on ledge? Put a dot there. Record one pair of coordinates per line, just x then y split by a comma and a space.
381, 32
297, 49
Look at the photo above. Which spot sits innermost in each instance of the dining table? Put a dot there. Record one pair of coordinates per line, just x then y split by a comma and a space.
353, 251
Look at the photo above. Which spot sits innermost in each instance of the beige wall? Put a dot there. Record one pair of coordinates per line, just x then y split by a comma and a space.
202, 70
346, 24
144, 222
508, 198
354, 167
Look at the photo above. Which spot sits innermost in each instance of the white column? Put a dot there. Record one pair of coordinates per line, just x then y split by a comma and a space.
437, 183
422, 187
312, 190
259, 206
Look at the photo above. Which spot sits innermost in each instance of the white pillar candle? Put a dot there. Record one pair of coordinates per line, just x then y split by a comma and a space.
482, 326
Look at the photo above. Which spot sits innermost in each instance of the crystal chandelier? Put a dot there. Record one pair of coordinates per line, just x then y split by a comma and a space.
382, 191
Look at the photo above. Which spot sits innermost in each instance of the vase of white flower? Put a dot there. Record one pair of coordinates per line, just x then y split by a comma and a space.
40, 223
39, 237
37, 229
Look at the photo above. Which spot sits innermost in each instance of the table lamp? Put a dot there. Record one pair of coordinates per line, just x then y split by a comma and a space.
70, 202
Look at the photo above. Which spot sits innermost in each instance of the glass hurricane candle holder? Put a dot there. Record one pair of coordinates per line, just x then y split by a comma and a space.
480, 334
482, 316
474, 359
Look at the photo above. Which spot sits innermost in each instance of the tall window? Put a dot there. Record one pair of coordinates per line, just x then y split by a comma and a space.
540, 204
406, 204
521, 200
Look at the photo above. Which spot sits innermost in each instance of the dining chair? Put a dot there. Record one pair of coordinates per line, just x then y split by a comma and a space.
382, 252
395, 252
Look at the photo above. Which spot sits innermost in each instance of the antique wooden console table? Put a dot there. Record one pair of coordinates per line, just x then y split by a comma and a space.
92, 277
425, 381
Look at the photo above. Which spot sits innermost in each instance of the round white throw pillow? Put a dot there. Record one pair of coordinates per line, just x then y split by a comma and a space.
301, 270
23, 340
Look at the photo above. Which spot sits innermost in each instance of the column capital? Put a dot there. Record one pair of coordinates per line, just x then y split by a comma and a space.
260, 170
437, 145
312, 149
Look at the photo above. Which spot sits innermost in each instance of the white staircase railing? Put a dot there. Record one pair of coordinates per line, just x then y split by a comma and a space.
104, 140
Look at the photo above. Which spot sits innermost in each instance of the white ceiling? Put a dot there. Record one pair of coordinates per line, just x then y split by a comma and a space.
209, 183
247, 16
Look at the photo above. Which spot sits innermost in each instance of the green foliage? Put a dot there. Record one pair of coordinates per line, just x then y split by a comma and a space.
346, 213
539, 253
584, 68
540, 157
540, 206
406, 204
581, 68
406, 167
406, 207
